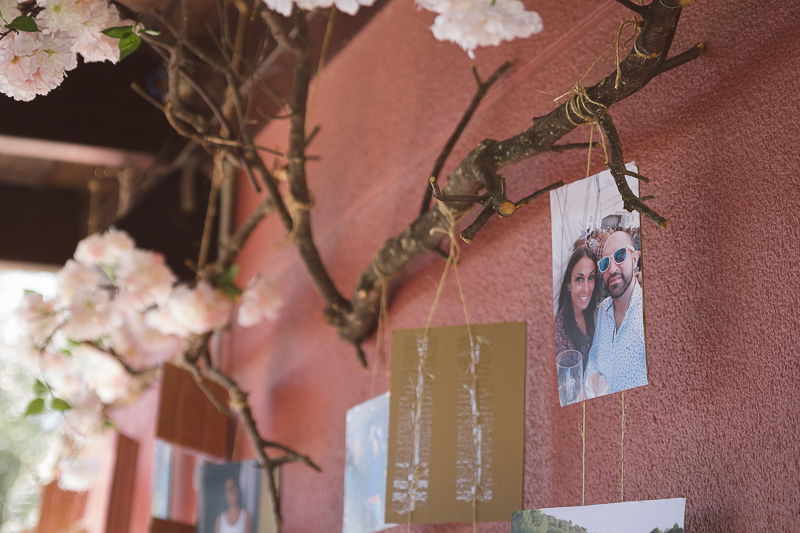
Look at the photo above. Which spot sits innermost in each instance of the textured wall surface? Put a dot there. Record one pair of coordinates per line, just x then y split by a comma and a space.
719, 137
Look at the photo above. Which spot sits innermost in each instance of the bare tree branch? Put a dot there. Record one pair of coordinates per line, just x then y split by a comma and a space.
479, 169
483, 88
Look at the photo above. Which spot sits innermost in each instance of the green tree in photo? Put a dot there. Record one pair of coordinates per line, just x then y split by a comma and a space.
537, 522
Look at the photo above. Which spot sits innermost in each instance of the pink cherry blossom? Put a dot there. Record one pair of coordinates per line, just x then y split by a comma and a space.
84, 20
187, 311
141, 345
78, 473
261, 299
91, 315
34, 63
38, 318
104, 248
76, 279
143, 279
103, 374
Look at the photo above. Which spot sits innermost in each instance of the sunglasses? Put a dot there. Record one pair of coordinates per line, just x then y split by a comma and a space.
619, 258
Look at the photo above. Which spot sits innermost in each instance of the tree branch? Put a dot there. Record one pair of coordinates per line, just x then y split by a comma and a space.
240, 404
479, 169
483, 88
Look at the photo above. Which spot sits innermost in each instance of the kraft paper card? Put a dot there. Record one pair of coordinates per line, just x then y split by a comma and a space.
456, 424
655, 516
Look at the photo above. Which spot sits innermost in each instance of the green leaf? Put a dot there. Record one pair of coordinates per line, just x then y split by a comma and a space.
128, 44
154, 33
109, 424
118, 32
229, 276
232, 292
23, 23
39, 388
60, 405
35, 407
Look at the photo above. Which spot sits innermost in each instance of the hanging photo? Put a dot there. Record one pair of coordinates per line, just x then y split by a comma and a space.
367, 437
598, 301
456, 424
162, 479
229, 498
656, 516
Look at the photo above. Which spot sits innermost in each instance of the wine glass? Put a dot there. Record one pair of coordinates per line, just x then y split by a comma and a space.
570, 377
596, 383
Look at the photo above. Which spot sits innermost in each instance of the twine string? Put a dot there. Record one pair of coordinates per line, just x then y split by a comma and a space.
622, 453
453, 258
294, 207
583, 456
383, 281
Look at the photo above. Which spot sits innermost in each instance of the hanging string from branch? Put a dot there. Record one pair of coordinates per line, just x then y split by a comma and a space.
622, 454
383, 280
453, 259
583, 455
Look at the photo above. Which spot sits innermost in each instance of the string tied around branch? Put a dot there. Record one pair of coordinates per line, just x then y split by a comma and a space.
294, 207
384, 276
238, 399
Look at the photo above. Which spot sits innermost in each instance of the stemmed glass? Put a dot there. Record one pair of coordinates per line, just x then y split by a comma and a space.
596, 383
570, 377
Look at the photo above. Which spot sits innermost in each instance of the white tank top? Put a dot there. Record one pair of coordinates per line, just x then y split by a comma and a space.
238, 527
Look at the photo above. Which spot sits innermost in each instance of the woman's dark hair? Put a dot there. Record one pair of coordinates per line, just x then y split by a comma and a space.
565, 298
238, 490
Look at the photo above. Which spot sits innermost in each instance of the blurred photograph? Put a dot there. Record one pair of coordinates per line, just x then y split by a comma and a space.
366, 448
598, 301
229, 499
656, 516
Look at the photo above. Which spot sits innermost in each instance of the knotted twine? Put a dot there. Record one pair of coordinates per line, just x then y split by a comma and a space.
383, 280
294, 207
577, 105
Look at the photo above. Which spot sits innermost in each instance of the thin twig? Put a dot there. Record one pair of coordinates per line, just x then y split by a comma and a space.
483, 88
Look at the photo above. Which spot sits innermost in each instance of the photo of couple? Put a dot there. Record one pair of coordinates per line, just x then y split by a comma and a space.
597, 290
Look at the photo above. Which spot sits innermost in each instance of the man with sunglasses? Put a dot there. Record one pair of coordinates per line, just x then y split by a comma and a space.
619, 353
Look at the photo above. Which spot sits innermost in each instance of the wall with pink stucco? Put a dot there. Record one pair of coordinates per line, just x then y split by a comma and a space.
720, 140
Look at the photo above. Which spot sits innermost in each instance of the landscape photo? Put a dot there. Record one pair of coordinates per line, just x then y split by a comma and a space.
656, 516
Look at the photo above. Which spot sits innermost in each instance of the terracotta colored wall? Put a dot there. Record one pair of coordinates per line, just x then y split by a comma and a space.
719, 422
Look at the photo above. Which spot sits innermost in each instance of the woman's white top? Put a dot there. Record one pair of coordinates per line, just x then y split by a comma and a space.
238, 527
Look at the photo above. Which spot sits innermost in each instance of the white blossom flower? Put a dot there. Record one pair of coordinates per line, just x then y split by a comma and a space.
91, 315
141, 345
143, 279
261, 299
103, 374
473, 23
85, 20
284, 7
76, 279
78, 473
86, 416
187, 311
104, 248
34, 63
63, 374
9, 9
38, 318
